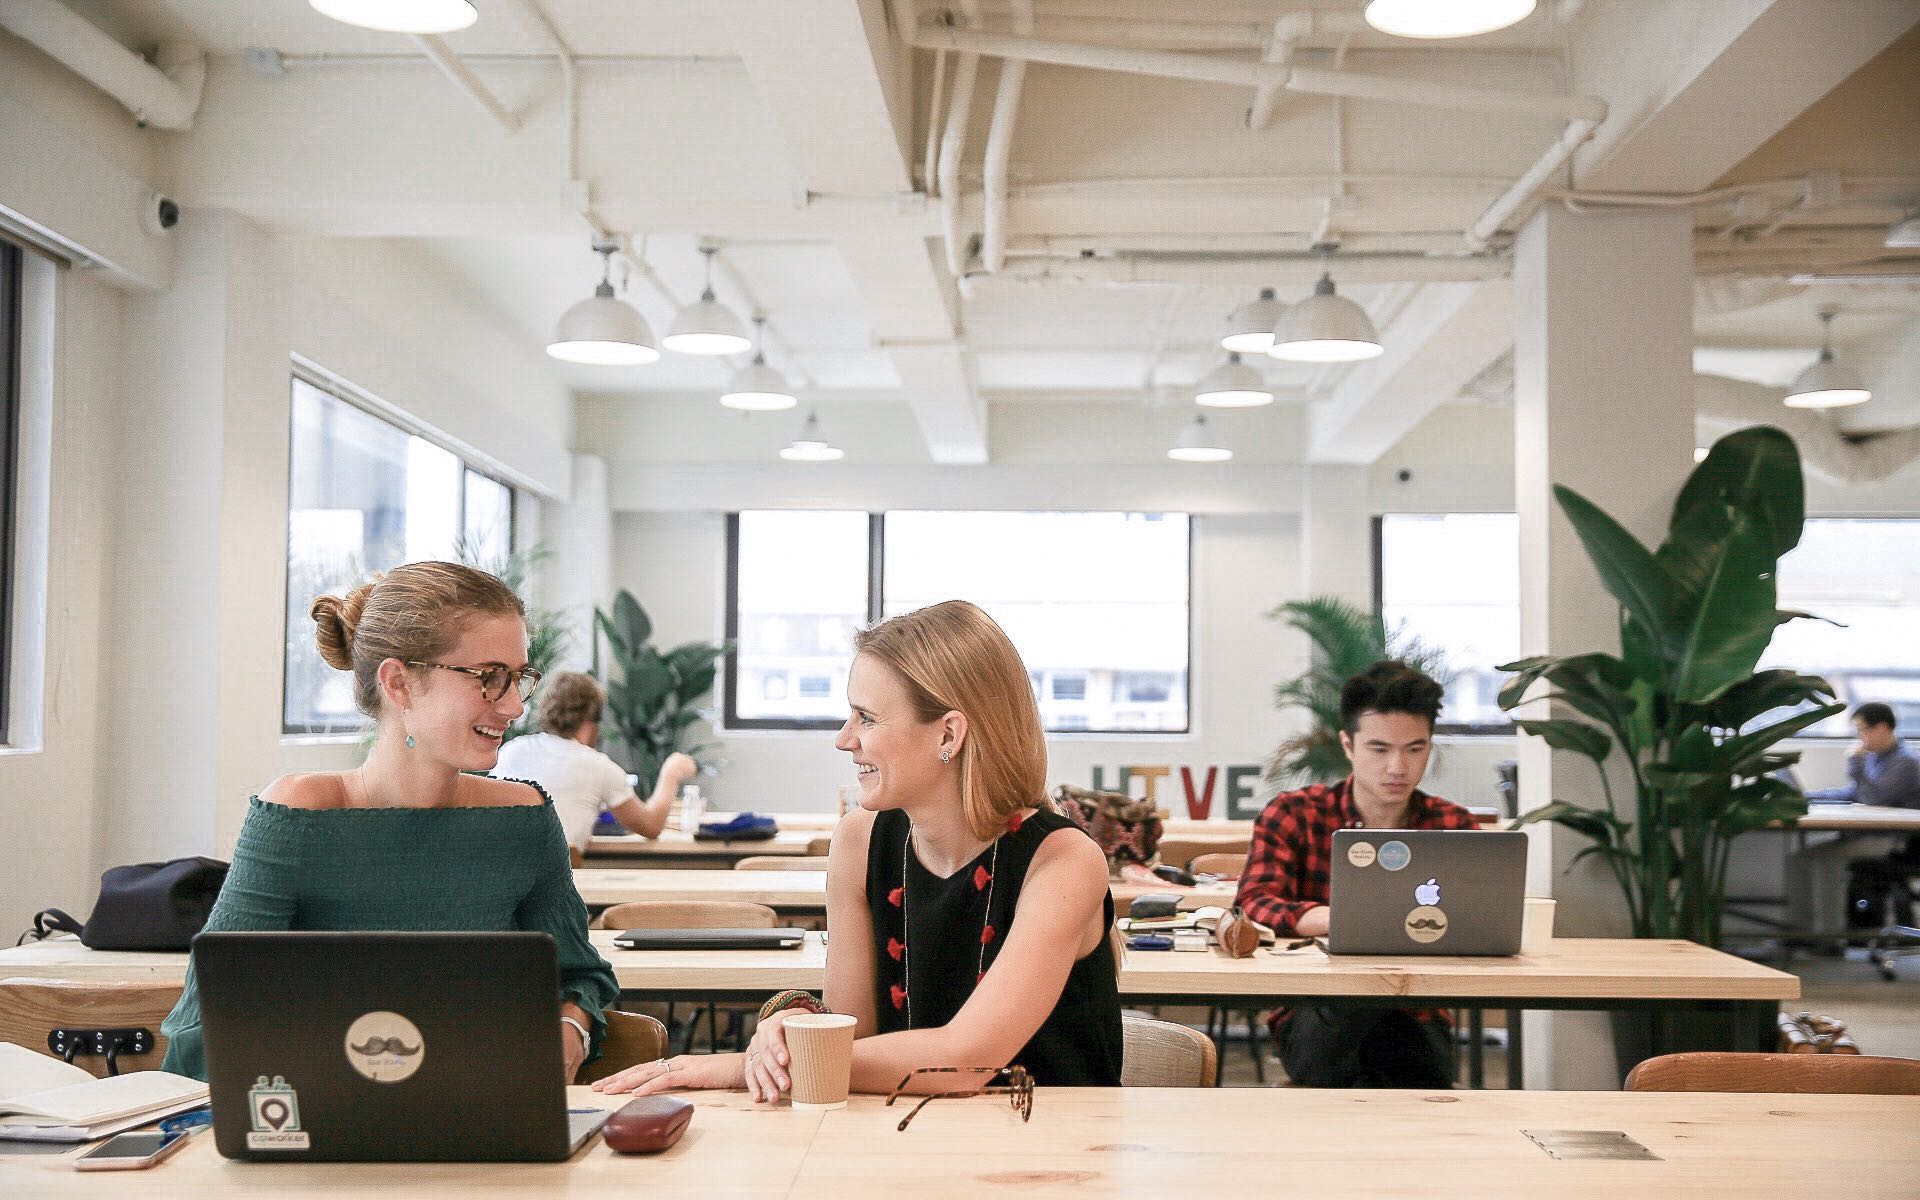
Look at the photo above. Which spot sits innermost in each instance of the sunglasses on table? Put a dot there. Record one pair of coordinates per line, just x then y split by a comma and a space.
494, 679
1018, 1088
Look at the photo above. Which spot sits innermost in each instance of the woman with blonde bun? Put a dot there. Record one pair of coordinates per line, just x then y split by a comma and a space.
417, 837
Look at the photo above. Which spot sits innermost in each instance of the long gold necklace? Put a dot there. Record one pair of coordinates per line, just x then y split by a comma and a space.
986, 919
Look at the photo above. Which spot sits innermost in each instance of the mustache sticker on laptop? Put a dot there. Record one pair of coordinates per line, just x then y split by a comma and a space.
385, 1047
1426, 924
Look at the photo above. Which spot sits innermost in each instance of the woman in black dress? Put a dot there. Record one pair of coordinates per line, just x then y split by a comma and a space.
969, 921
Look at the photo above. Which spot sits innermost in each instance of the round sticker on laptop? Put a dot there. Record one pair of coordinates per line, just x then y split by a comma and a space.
1426, 924
1360, 854
385, 1047
1395, 855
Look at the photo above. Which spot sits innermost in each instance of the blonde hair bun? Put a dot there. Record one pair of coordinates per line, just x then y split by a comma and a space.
335, 618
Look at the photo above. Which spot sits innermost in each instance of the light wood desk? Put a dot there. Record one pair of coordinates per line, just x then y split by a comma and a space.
1093, 1142
1859, 818
675, 846
795, 891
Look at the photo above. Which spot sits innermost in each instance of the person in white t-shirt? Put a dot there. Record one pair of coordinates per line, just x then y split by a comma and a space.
564, 759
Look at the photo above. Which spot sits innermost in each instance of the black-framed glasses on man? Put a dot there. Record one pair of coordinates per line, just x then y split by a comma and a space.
1018, 1088
494, 680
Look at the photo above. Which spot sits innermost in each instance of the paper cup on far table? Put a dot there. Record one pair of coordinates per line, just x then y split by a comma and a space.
1536, 926
820, 1058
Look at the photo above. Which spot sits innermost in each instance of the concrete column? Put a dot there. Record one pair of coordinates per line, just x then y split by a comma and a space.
580, 574
1604, 405
1336, 534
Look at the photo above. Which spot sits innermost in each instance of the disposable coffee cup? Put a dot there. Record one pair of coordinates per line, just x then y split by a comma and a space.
1536, 926
819, 1058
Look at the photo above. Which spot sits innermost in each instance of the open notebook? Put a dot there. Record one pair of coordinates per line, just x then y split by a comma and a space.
44, 1099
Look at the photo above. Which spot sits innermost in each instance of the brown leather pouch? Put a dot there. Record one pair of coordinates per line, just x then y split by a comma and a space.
1236, 934
647, 1125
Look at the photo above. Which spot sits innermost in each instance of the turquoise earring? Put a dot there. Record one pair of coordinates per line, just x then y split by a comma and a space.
409, 741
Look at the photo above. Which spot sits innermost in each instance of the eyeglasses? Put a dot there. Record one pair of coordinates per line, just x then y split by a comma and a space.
494, 681
1018, 1089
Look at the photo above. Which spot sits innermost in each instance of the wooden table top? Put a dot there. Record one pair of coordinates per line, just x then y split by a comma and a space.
1099, 1142
675, 843
1860, 818
793, 889
1575, 969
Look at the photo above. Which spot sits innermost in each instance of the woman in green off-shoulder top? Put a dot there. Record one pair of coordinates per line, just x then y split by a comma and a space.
411, 840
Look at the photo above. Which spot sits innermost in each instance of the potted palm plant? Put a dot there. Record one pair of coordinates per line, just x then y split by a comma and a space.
1681, 707
650, 704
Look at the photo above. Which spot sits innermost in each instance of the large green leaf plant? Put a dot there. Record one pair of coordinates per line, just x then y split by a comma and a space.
650, 695
1697, 729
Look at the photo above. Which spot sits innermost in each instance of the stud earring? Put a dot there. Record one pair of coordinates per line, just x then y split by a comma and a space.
409, 741
946, 756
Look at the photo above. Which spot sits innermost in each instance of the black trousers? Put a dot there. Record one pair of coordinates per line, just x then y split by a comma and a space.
1364, 1047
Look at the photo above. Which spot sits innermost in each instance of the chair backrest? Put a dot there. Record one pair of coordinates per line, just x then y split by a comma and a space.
576, 856
1226, 866
1831, 1074
819, 847
776, 862
1163, 1054
30, 1009
688, 914
1181, 851
632, 1038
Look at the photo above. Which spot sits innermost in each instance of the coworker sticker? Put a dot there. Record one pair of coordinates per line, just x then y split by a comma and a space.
1426, 924
385, 1047
1360, 854
274, 1110
1394, 855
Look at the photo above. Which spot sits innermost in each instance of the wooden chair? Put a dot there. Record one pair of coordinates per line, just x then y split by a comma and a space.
1226, 866
1181, 851
632, 1038
576, 856
30, 1009
820, 846
1163, 1054
1827, 1074
775, 862
694, 914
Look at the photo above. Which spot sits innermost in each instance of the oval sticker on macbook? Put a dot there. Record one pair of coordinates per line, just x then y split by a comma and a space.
1394, 855
1360, 854
385, 1047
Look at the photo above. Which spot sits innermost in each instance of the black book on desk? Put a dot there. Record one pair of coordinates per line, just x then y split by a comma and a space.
711, 939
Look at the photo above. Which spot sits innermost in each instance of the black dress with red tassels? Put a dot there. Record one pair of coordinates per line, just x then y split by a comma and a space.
936, 938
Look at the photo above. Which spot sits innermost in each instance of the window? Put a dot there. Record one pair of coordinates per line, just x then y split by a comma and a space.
1096, 603
1453, 581
365, 495
10, 292
1864, 574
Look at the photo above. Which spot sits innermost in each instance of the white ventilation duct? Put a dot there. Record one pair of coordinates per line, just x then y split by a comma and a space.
165, 96
1722, 405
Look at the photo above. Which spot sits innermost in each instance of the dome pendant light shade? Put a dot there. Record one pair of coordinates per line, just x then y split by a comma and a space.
758, 387
1250, 328
604, 330
1445, 18
401, 16
1325, 328
1233, 384
707, 327
1827, 384
1197, 444
812, 445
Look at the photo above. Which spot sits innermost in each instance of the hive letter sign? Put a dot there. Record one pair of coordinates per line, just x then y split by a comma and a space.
1243, 795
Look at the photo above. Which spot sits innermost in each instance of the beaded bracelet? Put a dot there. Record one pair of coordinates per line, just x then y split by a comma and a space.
792, 998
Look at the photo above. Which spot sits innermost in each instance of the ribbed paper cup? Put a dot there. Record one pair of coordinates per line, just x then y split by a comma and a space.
820, 1054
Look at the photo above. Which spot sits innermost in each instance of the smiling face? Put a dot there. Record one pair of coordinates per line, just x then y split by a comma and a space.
1389, 753
445, 712
896, 755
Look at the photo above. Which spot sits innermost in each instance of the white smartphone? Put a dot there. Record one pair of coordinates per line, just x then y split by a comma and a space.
132, 1151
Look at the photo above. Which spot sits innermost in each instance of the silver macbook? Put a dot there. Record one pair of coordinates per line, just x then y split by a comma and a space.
1427, 891
386, 1047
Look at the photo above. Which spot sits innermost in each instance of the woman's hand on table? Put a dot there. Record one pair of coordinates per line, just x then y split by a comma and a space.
721, 1072
767, 1078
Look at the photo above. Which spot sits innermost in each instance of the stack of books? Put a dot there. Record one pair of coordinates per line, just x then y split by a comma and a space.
45, 1100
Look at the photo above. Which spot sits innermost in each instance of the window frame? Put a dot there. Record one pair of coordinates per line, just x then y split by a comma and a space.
731, 721
345, 395
1487, 729
12, 295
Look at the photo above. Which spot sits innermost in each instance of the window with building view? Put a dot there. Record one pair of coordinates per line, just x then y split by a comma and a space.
1096, 603
364, 496
10, 277
1452, 580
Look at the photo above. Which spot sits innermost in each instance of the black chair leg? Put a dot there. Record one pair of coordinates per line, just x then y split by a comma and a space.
1255, 1047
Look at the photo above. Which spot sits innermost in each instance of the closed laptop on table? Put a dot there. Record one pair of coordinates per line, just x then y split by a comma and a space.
362, 1047
711, 939
1427, 891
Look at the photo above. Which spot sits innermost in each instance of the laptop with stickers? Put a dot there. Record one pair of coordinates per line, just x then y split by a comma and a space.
1427, 891
386, 1047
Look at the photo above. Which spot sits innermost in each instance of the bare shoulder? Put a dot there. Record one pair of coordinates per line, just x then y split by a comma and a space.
847, 852
484, 791
312, 790
1072, 857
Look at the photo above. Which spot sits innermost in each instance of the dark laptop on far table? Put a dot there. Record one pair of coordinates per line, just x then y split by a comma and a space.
1427, 891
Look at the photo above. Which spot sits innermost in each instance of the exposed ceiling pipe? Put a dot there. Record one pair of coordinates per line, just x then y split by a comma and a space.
165, 96
1289, 30
441, 55
953, 144
569, 91
1241, 73
1488, 223
1006, 114
1274, 270
1735, 404
930, 173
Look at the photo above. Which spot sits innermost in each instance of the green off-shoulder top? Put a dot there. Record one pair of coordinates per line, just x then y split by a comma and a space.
496, 868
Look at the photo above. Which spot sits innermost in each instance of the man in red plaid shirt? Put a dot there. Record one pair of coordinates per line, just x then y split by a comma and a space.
1387, 714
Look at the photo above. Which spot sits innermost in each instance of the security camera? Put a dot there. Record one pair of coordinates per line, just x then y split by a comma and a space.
159, 214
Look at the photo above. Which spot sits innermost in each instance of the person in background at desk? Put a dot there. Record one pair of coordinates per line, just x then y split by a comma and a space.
970, 921
1387, 714
565, 759
417, 837
1880, 768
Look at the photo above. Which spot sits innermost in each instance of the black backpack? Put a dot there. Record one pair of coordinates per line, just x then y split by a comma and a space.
144, 906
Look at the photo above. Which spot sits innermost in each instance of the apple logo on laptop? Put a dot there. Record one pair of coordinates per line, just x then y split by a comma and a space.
1427, 893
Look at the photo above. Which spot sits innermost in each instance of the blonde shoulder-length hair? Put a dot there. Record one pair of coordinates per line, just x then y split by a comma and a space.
954, 658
